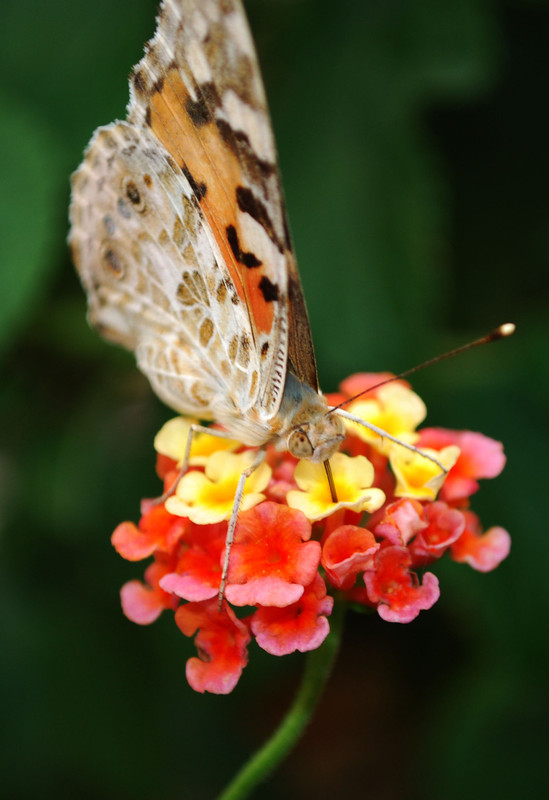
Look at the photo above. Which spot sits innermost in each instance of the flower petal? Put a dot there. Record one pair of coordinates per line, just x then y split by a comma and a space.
401, 521
482, 551
394, 408
444, 526
208, 497
143, 603
347, 551
353, 479
480, 457
416, 475
158, 530
171, 441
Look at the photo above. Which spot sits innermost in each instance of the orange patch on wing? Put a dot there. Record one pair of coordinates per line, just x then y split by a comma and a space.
202, 151
261, 311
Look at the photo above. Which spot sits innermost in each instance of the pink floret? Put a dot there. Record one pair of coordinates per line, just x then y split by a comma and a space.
271, 559
347, 551
396, 590
480, 457
302, 626
143, 603
221, 641
482, 551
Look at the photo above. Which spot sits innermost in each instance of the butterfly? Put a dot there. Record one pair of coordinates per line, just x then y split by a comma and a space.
180, 238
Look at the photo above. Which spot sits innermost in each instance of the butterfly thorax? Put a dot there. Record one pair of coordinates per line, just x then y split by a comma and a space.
303, 424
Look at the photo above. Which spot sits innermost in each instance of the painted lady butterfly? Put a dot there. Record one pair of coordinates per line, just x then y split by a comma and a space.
179, 235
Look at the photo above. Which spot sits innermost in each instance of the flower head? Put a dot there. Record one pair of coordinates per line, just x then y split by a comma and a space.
297, 550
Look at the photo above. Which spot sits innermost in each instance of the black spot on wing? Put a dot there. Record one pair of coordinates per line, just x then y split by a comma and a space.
232, 238
228, 134
139, 83
199, 189
158, 85
132, 193
252, 205
201, 110
287, 233
257, 168
210, 95
268, 290
127, 152
247, 259
113, 263
250, 261
198, 111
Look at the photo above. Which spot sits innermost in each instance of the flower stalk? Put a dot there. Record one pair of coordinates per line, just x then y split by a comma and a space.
318, 668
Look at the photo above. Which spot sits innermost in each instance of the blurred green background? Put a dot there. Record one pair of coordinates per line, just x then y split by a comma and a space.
413, 139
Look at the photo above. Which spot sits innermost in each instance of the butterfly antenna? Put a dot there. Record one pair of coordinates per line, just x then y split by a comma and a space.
501, 332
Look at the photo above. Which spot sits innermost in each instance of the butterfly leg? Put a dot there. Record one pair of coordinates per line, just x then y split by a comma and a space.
245, 474
384, 435
186, 455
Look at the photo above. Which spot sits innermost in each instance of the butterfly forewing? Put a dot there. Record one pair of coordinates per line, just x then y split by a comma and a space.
179, 229
200, 89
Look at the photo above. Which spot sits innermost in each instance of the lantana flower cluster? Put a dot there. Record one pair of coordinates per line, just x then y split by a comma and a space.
296, 551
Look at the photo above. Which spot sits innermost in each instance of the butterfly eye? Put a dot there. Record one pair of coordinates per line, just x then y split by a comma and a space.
299, 444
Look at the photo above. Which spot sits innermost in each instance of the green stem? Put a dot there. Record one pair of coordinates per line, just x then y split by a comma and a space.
317, 671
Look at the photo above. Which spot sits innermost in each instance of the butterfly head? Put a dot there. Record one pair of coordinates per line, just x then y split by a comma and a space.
318, 439
308, 428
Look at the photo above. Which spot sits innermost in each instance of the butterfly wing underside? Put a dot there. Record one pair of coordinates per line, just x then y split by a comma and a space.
178, 223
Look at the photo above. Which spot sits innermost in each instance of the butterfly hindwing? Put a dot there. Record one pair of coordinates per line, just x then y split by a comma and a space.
154, 281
